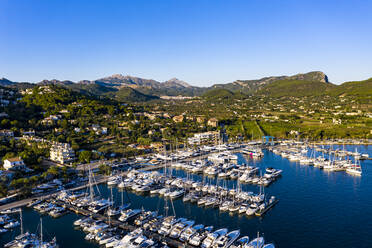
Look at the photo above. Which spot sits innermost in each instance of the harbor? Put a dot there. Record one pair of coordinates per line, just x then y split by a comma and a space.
292, 190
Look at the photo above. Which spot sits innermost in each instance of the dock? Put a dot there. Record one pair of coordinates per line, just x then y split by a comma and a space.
267, 208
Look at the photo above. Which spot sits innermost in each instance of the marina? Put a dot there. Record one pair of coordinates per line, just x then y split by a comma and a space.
269, 225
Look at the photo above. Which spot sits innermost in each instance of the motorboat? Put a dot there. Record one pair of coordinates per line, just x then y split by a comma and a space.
190, 231
240, 243
198, 237
129, 214
211, 237
253, 208
226, 240
256, 243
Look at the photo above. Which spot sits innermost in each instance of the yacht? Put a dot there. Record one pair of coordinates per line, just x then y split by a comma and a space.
178, 228
176, 194
127, 239
168, 223
240, 243
211, 237
190, 231
129, 214
11, 224
226, 240
198, 237
355, 169
253, 208
256, 243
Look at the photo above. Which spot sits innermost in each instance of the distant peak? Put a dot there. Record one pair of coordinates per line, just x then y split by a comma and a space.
119, 76
175, 81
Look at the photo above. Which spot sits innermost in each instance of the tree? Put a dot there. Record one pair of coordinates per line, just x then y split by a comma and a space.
85, 156
5, 123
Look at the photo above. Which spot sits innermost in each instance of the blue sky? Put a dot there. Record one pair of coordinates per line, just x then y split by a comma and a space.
200, 42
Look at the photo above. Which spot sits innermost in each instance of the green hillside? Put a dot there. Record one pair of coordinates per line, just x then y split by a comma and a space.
91, 89
296, 88
223, 94
358, 88
128, 94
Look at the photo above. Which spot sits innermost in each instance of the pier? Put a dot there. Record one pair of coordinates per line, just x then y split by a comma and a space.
268, 207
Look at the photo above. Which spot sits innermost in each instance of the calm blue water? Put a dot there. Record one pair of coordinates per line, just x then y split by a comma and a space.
316, 209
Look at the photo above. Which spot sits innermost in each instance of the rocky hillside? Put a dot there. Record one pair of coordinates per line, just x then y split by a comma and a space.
128, 88
250, 86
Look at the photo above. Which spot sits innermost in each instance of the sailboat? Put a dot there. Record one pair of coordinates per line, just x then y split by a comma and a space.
31, 240
355, 169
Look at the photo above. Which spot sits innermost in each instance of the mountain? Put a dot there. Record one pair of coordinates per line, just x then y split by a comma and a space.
129, 88
175, 82
361, 89
295, 87
172, 87
222, 94
55, 82
6, 82
118, 80
250, 86
127, 94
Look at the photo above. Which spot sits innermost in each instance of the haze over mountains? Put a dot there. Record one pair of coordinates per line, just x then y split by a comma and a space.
131, 88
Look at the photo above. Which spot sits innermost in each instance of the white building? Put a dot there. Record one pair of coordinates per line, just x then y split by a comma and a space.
203, 138
14, 164
62, 153
6, 133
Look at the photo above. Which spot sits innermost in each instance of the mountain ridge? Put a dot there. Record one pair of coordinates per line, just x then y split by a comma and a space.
148, 89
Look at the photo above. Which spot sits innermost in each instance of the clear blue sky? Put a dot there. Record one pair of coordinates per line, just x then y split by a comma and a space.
200, 42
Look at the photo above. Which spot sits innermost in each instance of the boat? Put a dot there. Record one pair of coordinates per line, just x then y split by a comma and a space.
211, 237
198, 237
176, 194
11, 225
355, 169
240, 243
178, 228
256, 243
253, 208
190, 231
226, 240
129, 214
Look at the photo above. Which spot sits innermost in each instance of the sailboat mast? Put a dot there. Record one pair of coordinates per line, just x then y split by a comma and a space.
41, 230
90, 185
21, 218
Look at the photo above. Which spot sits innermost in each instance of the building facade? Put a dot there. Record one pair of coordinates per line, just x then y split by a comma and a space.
204, 138
62, 153
14, 164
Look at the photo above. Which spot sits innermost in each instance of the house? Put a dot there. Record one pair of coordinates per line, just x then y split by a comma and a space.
178, 118
6, 133
50, 120
14, 164
62, 153
213, 122
158, 146
200, 119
